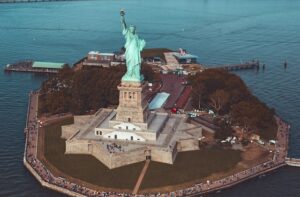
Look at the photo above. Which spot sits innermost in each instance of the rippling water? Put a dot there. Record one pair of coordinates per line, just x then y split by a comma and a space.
218, 31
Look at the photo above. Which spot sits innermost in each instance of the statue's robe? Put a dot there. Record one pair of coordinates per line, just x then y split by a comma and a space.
133, 46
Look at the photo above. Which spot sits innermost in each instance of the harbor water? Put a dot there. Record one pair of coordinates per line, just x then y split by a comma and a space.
218, 31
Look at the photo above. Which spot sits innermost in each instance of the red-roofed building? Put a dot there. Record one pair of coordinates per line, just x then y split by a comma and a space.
184, 97
172, 84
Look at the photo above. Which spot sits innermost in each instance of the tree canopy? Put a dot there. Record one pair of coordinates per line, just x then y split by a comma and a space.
227, 94
87, 89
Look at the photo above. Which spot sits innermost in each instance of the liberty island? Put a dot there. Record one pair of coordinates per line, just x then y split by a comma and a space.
138, 133
132, 133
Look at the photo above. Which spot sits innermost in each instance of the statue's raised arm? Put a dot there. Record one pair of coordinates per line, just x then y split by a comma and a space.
122, 13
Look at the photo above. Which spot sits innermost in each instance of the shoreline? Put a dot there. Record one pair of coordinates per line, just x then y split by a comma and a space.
239, 181
28, 165
48, 180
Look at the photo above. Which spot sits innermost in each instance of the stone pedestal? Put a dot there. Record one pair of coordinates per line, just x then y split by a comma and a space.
133, 107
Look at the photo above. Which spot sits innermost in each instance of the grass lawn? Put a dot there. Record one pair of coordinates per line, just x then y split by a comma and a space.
86, 167
188, 167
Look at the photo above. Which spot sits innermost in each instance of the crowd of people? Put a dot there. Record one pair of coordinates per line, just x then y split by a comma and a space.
113, 148
47, 176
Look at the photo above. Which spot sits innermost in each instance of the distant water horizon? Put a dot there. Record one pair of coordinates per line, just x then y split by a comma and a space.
218, 32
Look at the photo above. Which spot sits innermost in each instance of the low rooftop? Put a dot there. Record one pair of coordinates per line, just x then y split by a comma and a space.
51, 65
185, 56
159, 100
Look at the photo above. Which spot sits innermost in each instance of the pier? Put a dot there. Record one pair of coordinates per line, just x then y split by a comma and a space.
34, 67
243, 66
292, 162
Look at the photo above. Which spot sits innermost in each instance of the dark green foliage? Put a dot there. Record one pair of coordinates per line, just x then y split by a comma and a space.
224, 130
254, 115
212, 80
84, 90
244, 108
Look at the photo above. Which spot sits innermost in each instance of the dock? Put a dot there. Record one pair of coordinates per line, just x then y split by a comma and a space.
34, 67
243, 66
292, 162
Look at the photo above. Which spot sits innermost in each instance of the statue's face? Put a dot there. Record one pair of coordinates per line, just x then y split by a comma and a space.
132, 29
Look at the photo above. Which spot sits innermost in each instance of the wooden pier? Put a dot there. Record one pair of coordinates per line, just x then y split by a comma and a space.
292, 162
31, 1
242, 66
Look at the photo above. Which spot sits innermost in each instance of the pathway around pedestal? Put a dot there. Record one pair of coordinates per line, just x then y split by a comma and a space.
141, 177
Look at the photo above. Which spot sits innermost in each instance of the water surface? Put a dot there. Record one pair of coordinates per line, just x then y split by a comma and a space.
218, 31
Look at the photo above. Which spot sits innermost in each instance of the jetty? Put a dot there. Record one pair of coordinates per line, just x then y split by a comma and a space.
34, 67
242, 66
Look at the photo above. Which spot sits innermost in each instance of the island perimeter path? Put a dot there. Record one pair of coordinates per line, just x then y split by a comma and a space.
48, 180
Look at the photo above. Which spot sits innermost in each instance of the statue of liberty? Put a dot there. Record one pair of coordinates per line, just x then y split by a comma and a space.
133, 47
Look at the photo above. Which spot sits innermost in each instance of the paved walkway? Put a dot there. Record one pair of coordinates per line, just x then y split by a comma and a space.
141, 177
171, 61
